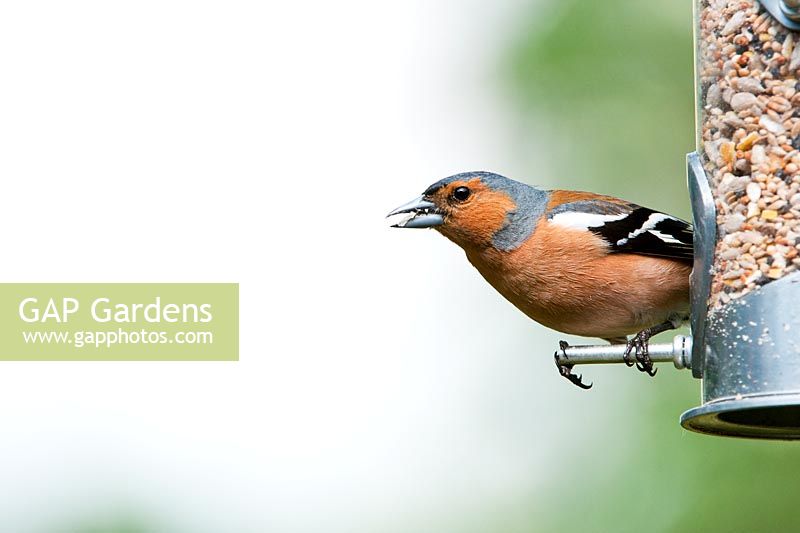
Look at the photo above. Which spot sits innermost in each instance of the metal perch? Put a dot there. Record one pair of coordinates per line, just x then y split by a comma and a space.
678, 353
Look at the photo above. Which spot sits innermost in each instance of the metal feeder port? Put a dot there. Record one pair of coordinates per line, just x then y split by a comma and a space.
745, 190
747, 352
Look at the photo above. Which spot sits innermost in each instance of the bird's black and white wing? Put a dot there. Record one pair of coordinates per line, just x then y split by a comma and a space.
629, 228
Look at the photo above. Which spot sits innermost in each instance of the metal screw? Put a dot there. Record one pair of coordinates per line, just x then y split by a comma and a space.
791, 8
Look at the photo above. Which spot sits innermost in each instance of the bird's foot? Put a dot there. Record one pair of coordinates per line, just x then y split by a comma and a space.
639, 345
565, 369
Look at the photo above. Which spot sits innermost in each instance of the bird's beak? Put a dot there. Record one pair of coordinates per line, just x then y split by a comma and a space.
421, 214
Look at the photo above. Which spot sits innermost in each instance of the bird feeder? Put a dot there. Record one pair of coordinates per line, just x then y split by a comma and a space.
744, 186
745, 190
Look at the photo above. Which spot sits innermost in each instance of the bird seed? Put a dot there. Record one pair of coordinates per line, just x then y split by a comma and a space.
749, 117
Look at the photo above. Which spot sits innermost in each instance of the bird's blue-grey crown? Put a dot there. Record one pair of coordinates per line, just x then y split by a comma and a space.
530, 204
521, 222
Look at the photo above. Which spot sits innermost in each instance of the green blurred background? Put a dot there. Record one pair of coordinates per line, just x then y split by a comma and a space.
609, 85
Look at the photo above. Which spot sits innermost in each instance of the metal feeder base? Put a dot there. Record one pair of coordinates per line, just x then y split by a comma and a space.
751, 366
769, 417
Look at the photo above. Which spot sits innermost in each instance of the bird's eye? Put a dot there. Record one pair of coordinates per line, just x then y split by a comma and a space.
461, 193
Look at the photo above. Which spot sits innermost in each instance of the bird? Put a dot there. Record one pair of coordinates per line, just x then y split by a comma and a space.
577, 262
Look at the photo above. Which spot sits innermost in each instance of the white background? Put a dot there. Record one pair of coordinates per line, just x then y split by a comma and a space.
382, 384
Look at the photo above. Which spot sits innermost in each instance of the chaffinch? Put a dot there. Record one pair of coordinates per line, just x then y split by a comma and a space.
577, 262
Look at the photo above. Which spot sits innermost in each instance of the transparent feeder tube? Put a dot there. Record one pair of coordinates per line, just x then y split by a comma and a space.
749, 135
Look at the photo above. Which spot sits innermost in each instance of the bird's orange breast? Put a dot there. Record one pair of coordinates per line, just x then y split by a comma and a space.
565, 279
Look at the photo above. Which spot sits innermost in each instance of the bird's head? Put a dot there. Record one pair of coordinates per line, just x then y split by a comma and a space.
477, 210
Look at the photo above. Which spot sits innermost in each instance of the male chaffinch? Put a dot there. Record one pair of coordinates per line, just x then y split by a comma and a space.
577, 262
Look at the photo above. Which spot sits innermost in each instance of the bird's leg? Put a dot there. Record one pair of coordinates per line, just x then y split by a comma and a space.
566, 369
639, 344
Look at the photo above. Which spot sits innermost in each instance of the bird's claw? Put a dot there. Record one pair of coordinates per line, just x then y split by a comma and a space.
639, 344
566, 369
626, 357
